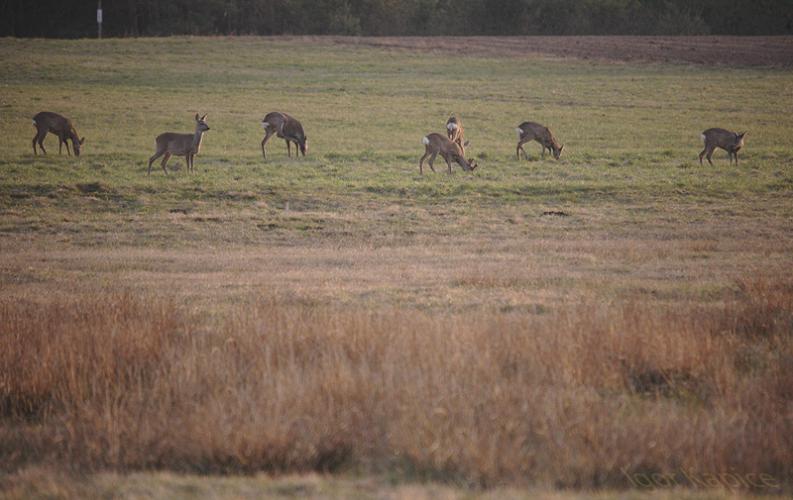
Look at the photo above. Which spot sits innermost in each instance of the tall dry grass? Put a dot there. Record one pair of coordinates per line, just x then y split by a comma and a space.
575, 397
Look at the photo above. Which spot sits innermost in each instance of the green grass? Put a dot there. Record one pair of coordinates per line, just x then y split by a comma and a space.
631, 131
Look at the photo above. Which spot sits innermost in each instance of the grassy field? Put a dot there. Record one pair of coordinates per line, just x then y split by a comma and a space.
533, 324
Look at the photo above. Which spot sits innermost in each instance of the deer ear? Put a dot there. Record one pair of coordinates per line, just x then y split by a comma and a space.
204, 117
82, 141
196, 117
561, 148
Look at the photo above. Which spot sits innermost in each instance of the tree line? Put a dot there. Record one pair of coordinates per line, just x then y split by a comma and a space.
77, 18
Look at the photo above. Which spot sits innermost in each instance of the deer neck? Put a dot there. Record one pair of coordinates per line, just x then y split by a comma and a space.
462, 162
197, 138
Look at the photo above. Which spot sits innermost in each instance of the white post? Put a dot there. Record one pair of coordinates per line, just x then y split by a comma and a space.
99, 18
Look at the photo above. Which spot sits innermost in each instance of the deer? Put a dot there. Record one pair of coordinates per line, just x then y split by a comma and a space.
437, 143
720, 138
530, 131
187, 145
454, 131
288, 129
47, 121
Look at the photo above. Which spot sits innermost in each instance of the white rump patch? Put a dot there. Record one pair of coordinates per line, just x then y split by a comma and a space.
519, 131
703, 137
265, 124
451, 126
425, 141
35, 124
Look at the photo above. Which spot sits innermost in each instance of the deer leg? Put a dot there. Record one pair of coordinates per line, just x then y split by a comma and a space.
432, 160
709, 154
40, 140
520, 148
448, 162
288, 148
42, 135
60, 145
701, 154
264, 141
165, 162
421, 161
151, 160
68, 151
735, 154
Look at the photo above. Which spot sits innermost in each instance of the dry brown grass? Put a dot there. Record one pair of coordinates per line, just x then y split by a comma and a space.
571, 398
48, 483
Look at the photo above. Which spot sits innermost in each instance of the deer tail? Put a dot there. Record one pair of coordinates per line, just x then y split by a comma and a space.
519, 131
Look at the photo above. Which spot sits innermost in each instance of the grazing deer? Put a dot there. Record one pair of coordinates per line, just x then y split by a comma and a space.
61, 126
454, 131
288, 129
436, 143
187, 145
724, 139
530, 131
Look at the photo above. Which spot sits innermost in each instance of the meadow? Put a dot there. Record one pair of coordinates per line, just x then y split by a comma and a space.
555, 326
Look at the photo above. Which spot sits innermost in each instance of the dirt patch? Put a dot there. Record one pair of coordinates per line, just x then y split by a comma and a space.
774, 51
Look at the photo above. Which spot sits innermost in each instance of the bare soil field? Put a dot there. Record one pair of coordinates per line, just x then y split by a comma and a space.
712, 50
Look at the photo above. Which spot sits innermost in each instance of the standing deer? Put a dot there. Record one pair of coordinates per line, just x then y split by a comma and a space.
437, 143
454, 131
61, 126
187, 145
288, 129
724, 139
530, 131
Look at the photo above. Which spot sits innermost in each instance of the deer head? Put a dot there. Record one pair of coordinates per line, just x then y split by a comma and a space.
76, 143
201, 123
557, 150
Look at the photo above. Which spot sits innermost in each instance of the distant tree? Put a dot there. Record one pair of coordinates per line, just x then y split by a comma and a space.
76, 18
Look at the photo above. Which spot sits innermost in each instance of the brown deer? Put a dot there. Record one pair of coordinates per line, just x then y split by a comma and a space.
530, 131
288, 129
61, 126
187, 145
454, 131
437, 143
724, 139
